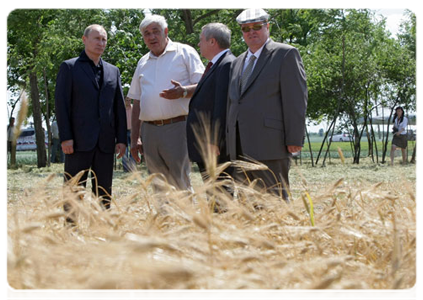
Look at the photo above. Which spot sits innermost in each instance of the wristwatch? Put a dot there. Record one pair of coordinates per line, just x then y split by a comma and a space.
185, 92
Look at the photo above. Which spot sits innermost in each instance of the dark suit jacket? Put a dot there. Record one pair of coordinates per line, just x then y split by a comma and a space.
210, 101
85, 113
271, 111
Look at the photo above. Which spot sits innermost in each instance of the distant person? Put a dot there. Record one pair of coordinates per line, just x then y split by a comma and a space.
161, 102
207, 108
128, 161
9, 134
400, 135
55, 144
90, 113
267, 103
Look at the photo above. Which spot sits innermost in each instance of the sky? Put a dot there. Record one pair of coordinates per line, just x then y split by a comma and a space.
393, 16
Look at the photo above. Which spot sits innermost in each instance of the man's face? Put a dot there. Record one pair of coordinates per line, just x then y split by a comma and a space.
155, 38
95, 42
255, 38
205, 47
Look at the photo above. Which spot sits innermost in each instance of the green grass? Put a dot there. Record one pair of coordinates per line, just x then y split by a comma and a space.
30, 157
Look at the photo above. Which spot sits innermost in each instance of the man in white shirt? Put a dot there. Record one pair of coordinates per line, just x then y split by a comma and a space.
169, 70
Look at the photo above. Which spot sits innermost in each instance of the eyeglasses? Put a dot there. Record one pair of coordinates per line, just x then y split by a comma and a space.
255, 27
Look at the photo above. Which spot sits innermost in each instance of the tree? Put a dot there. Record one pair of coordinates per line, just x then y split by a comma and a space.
353, 66
38, 40
24, 36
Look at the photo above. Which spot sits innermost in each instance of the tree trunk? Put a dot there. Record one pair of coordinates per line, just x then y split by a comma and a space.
186, 16
309, 146
36, 113
324, 140
385, 144
13, 154
47, 118
374, 141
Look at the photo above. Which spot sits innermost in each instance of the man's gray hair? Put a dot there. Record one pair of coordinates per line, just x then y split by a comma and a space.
220, 32
88, 30
153, 19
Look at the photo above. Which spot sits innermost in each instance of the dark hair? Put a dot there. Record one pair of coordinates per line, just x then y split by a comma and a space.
402, 115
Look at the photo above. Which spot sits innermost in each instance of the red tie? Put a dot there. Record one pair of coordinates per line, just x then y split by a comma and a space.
207, 68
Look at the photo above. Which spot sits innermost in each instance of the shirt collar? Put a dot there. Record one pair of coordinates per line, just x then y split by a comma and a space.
169, 47
84, 57
218, 55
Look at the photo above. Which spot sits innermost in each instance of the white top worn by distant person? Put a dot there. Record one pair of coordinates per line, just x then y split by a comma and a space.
10, 133
54, 130
402, 125
178, 62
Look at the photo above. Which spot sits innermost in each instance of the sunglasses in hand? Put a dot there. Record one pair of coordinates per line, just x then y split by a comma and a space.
255, 27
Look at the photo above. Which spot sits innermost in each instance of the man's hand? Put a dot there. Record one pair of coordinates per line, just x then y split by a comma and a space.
135, 149
120, 150
173, 93
67, 147
293, 149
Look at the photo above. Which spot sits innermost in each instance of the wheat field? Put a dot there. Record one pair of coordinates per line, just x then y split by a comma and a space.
348, 227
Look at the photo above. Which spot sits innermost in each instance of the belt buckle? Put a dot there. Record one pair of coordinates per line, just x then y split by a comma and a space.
161, 123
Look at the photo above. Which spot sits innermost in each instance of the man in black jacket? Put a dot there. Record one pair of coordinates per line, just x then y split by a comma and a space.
207, 109
90, 113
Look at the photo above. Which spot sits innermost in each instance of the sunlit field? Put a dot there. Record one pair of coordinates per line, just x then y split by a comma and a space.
348, 227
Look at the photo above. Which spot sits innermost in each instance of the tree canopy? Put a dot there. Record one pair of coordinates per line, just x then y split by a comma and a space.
353, 64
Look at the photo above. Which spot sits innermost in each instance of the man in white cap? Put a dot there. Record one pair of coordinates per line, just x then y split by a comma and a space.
267, 102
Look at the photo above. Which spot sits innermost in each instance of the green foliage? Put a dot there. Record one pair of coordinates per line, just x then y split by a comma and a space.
352, 63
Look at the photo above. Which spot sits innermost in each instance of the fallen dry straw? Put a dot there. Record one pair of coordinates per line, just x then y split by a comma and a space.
364, 238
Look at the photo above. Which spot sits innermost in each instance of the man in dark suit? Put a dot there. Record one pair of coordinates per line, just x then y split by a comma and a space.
91, 116
207, 109
267, 103
11, 146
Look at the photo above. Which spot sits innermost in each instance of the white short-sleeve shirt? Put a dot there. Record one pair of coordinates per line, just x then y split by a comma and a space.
178, 62
402, 125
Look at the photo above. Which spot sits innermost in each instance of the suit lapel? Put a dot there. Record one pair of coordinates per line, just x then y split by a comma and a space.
208, 74
106, 74
261, 62
89, 71
238, 70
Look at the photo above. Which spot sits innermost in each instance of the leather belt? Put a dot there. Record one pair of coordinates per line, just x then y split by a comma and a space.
167, 121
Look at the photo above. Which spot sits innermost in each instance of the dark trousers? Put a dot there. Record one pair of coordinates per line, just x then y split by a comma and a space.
275, 180
99, 164
128, 162
203, 171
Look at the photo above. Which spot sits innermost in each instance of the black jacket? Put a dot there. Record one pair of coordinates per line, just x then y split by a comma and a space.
210, 100
86, 113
